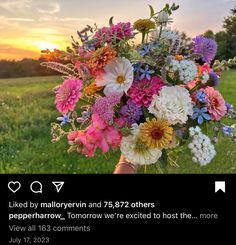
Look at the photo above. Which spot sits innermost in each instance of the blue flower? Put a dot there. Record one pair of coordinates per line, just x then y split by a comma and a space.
229, 107
145, 49
227, 130
201, 96
214, 78
200, 114
146, 73
65, 119
137, 67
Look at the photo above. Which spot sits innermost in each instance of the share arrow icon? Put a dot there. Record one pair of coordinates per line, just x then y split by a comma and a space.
58, 185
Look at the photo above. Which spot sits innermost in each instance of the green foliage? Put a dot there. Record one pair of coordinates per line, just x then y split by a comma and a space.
209, 34
227, 39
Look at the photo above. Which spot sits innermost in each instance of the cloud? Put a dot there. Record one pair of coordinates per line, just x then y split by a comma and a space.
65, 19
23, 6
20, 19
15, 5
16, 53
48, 8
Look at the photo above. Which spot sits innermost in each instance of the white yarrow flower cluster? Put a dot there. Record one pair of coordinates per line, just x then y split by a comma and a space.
186, 69
167, 35
170, 35
173, 104
201, 148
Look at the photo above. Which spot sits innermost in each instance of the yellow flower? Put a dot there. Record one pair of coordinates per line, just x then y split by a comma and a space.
156, 133
144, 25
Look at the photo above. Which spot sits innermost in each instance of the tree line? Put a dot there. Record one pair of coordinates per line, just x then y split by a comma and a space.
23, 68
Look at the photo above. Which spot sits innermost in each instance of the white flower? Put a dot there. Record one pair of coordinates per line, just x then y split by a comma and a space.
163, 17
173, 104
135, 129
205, 77
201, 148
186, 69
119, 76
137, 153
168, 34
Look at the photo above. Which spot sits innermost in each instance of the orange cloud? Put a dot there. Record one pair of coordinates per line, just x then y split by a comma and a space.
16, 53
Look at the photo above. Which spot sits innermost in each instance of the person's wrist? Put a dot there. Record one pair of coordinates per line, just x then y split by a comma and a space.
125, 167
128, 164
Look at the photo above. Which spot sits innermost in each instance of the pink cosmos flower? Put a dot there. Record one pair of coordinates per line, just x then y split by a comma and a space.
216, 103
142, 91
68, 94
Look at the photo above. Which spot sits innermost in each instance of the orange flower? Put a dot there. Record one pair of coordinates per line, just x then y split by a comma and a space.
101, 57
179, 57
92, 89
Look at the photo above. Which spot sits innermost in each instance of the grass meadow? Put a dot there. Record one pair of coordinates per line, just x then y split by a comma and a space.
27, 110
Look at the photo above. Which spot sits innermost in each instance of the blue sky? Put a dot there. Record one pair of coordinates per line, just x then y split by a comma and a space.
29, 25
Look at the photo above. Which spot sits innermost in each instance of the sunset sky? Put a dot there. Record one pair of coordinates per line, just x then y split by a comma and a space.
27, 26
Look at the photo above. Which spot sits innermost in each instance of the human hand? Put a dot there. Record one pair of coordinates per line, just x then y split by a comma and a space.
125, 167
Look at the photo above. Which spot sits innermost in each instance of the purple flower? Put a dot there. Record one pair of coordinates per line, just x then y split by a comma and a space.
85, 116
146, 73
227, 130
65, 119
206, 47
113, 98
200, 114
131, 112
201, 96
104, 106
228, 106
214, 78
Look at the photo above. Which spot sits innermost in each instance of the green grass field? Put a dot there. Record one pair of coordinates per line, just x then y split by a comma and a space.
27, 109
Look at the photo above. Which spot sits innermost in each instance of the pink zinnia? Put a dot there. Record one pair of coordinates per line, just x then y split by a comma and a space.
142, 91
216, 103
68, 94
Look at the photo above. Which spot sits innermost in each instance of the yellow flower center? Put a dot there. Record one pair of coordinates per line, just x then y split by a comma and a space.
120, 79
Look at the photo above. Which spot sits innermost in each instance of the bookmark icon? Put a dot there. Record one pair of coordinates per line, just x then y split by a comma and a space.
219, 186
58, 185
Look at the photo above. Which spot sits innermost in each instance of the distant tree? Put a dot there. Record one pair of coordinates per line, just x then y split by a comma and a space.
23, 68
186, 42
209, 34
226, 39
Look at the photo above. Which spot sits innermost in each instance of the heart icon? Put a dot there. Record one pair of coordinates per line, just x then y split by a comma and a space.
14, 186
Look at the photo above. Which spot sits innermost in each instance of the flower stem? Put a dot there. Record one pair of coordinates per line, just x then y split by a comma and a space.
143, 37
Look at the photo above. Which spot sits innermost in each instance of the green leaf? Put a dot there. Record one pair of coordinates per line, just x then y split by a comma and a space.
151, 11
175, 7
163, 159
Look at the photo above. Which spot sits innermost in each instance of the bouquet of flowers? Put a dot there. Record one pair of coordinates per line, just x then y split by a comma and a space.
146, 94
